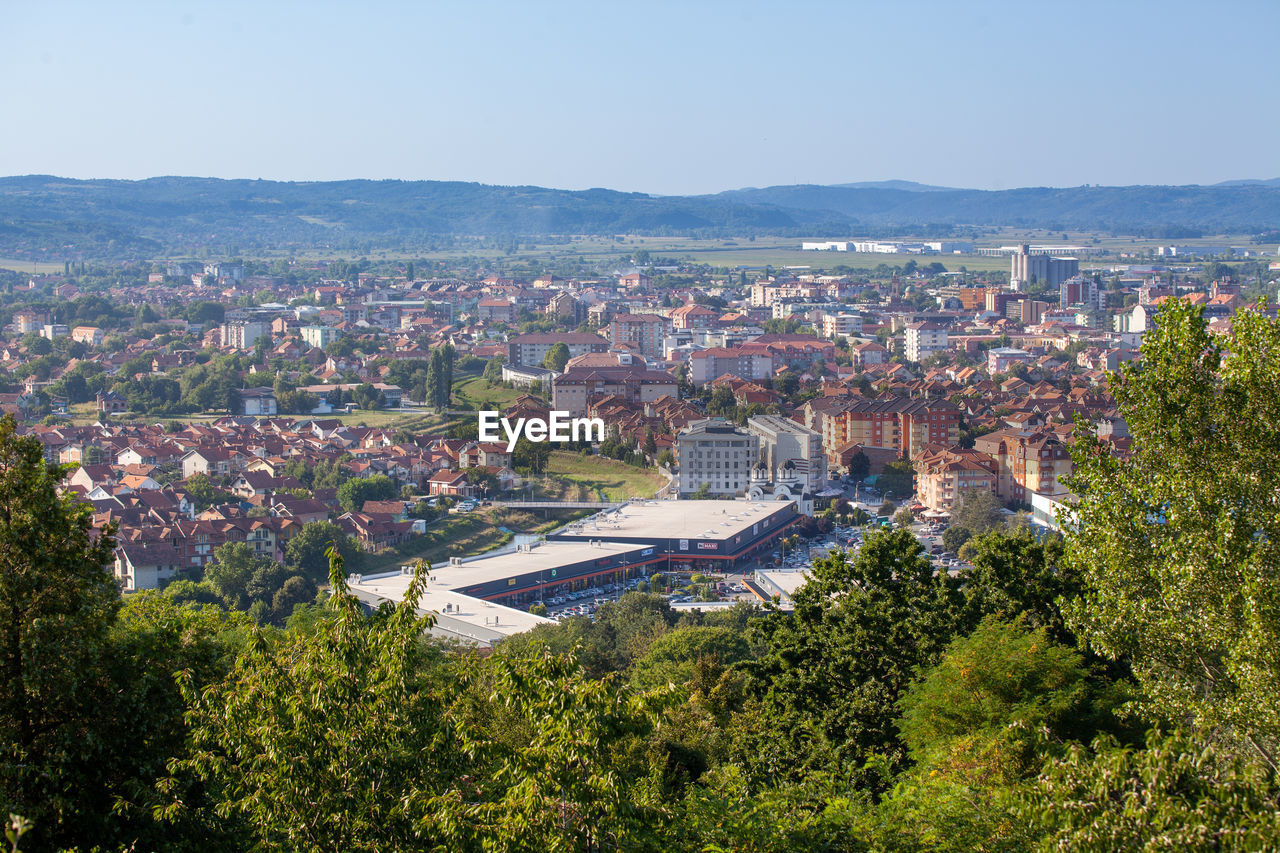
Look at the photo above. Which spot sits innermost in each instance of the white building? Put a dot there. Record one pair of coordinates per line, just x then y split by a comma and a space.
243, 334
780, 441
717, 454
320, 336
922, 340
841, 325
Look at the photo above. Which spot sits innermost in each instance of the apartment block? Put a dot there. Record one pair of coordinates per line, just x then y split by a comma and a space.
944, 474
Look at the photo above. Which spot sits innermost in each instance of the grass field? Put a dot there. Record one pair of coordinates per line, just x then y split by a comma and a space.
604, 479
475, 390
31, 266
465, 536
415, 421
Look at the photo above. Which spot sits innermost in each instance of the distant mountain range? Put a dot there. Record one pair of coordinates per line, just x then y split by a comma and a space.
43, 216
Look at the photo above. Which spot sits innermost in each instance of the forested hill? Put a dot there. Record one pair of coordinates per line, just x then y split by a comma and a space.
1135, 210
176, 214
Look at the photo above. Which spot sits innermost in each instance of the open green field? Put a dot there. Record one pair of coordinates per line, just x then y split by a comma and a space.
604, 479
31, 266
414, 421
475, 391
465, 536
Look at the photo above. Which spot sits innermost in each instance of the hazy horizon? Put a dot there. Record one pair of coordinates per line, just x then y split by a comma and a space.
669, 99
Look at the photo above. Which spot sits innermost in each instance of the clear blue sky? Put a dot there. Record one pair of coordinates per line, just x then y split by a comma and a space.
679, 97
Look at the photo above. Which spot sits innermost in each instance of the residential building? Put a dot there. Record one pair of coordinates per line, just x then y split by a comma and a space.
320, 336
643, 331
841, 325
944, 474
1000, 359
1028, 461
573, 390
922, 340
532, 348
243, 334
903, 424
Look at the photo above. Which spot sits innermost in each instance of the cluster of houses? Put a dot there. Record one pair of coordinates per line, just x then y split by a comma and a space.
140, 478
885, 370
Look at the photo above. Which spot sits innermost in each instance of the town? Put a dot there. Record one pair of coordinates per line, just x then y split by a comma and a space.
230, 408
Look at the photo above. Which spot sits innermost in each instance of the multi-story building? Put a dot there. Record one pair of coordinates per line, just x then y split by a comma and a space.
944, 474
320, 336
91, 335
900, 423
921, 340
243, 334
753, 364
532, 348
574, 389
782, 440
1081, 290
1000, 359
1028, 461
717, 454
643, 331
869, 353
496, 310
694, 316
841, 325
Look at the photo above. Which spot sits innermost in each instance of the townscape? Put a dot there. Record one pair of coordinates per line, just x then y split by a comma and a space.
597, 428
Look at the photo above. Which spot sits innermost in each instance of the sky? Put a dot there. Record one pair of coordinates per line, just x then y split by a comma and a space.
658, 97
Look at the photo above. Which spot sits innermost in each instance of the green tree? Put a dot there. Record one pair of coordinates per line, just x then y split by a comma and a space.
899, 478
859, 466
977, 512
57, 603
1182, 792
203, 493
557, 357
834, 668
1178, 541
954, 537
354, 492
234, 565
307, 551
321, 741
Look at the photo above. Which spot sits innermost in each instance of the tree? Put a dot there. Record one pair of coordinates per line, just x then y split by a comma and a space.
859, 466
954, 537
1177, 543
977, 512
834, 668
1195, 794
57, 603
234, 564
904, 518
307, 551
203, 493
318, 742
354, 492
557, 357
493, 370
899, 478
